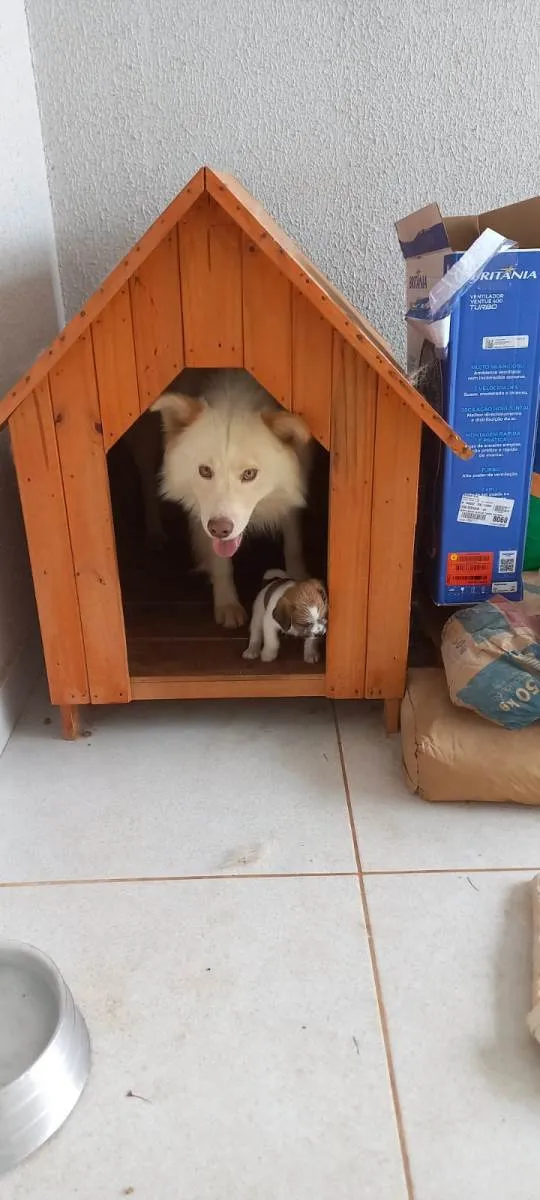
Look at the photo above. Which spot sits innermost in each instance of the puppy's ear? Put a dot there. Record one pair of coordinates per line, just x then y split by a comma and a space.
283, 614
322, 592
286, 426
177, 411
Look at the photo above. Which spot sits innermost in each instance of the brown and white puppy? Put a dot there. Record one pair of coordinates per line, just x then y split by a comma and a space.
237, 463
286, 606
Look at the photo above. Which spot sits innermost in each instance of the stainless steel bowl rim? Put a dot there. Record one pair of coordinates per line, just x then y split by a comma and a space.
26, 949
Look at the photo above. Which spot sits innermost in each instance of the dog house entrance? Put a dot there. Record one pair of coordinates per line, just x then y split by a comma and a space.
174, 646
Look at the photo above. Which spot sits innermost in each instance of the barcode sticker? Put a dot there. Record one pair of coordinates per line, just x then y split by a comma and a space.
505, 587
509, 341
507, 562
476, 509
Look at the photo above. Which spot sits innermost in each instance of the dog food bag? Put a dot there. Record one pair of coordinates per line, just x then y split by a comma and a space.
491, 655
451, 754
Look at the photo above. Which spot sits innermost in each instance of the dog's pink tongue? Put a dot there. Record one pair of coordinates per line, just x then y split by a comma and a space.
226, 549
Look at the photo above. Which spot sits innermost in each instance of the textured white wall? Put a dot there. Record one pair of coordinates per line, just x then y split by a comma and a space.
340, 115
28, 315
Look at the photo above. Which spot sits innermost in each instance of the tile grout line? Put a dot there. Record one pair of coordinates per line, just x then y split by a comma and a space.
116, 879
400, 871
376, 976
397, 873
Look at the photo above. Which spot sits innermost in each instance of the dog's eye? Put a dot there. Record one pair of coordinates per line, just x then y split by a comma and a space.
249, 475
206, 472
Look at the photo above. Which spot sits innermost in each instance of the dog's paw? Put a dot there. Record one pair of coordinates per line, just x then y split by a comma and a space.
312, 654
251, 653
231, 616
269, 655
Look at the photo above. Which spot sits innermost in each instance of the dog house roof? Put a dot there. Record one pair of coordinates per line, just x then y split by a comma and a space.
244, 211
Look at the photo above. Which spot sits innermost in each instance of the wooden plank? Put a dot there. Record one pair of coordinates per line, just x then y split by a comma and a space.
535, 484
182, 687
70, 721
157, 320
210, 247
354, 391
116, 370
395, 493
312, 368
267, 308
118, 277
345, 319
35, 452
86, 485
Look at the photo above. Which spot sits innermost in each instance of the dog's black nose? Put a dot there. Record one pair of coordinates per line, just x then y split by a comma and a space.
220, 527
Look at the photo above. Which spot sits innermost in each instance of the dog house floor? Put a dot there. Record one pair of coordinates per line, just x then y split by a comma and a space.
175, 648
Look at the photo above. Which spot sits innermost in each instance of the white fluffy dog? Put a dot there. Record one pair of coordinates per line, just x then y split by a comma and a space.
237, 463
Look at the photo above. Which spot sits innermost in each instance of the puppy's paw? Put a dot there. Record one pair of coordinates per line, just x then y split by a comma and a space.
251, 653
231, 616
312, 654
269, 655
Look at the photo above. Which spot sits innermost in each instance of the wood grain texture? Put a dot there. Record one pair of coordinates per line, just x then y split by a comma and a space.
210, 247
264, 232
70, 722
118, 277
312, 368
395, 493
267, 308
354, 392
280, 249
225, 687
35, 453
86, 486
116, 369
157, 320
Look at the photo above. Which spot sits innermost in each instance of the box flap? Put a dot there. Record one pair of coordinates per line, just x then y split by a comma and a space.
462, 231
422, 232
521, 222
426, 231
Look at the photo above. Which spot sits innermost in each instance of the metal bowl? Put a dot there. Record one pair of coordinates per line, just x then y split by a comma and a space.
44, 1051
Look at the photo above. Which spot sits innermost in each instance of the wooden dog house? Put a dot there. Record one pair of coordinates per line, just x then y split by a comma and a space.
215, 283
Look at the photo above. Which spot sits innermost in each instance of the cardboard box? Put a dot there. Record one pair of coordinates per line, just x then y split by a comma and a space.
483, 373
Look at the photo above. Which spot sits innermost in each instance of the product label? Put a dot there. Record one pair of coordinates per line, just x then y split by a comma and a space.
469, 570
518, 341
507, 562
476, 509
511, 586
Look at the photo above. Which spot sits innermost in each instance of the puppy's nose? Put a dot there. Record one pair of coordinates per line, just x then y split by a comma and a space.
220, 527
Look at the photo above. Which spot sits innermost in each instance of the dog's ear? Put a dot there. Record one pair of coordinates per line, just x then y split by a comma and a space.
286, 426
283, 614
322, 592
177, 411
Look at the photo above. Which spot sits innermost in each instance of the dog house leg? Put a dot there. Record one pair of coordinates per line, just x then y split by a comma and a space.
69, 716
392, 710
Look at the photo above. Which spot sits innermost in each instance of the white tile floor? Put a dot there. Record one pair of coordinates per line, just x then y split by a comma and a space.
192, 870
